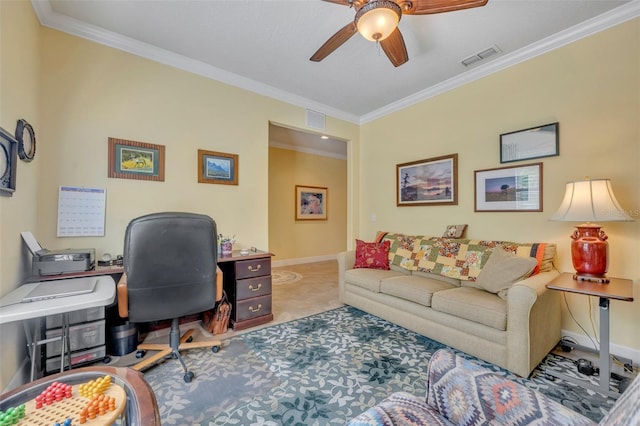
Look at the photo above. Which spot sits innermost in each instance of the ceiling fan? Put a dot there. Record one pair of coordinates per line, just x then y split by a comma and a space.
377, 20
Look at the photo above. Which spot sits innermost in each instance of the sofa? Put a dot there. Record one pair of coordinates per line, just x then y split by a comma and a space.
486, 298
463, 393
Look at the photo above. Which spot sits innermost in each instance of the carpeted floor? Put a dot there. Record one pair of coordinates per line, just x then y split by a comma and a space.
319, 370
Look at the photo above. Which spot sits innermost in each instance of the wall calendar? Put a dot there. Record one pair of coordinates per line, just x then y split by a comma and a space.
81, 211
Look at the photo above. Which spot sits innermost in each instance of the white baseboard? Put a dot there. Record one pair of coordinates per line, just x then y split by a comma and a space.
622, 351
300, 260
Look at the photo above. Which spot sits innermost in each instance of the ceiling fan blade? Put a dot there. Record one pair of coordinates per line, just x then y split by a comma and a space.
342, 2
395, 48
336, 40
426, 7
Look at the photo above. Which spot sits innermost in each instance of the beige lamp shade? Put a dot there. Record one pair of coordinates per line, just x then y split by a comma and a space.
590, 200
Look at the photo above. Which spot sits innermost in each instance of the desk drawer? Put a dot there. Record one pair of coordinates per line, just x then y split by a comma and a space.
253, 268
253, 287
252, 308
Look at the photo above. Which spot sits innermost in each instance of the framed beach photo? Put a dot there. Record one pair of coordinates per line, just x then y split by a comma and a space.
135, 160
509, 189
536, 142
217, 167
430, 182
311, 203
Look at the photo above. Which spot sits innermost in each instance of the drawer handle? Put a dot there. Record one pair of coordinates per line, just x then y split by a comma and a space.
252, 269
254, 310
255, 289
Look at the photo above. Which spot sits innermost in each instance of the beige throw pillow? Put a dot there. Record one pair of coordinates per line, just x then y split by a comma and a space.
502, 270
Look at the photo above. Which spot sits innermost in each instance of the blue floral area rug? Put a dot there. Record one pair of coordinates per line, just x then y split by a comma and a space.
322, 370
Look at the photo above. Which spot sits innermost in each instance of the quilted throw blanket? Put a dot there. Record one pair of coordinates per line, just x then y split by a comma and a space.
462, 259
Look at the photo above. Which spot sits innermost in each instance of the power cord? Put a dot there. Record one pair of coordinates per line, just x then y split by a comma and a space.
567, 344
564, 295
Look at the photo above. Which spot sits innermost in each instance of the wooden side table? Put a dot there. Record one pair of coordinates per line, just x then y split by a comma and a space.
616, 289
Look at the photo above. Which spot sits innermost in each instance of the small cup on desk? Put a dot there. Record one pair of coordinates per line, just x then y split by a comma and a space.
244, 252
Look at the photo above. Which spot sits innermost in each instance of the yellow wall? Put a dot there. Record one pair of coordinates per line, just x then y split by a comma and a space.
592, 88
85, 93
291, 239
19, 94
77, 94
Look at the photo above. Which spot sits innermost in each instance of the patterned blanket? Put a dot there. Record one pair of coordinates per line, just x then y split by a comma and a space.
462, 259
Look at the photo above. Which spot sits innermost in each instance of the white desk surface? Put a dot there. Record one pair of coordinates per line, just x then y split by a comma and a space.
11, 309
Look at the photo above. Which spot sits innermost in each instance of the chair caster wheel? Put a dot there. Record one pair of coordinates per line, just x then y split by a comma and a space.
106, 359
215, 349
188, 376
140, 354
189, 339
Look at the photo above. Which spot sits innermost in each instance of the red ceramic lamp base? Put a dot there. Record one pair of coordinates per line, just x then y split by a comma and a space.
589, 251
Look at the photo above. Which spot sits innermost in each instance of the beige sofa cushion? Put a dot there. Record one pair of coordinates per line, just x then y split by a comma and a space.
416, 289
473, 304
369, 278
454, 281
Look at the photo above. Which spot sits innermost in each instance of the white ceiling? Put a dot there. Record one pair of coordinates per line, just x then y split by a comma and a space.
264, 45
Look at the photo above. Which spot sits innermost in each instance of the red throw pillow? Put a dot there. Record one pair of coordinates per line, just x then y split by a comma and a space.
372, 255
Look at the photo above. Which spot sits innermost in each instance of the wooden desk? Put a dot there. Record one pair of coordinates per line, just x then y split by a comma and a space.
97, 271
616, 289
141, 409
247, 282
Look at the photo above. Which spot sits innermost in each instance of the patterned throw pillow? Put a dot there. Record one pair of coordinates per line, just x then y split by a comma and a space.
372, 255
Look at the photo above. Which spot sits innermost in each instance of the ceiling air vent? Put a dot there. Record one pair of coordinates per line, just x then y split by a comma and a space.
315, 119
479, 56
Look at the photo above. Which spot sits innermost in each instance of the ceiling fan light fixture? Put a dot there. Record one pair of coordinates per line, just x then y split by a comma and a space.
377, 19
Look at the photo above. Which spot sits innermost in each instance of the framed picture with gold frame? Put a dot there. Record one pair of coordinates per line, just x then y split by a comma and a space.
217, 167
509, 189
429, 182
311, 202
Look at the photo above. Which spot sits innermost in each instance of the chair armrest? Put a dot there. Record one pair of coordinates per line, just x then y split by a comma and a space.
218, 283
123, 297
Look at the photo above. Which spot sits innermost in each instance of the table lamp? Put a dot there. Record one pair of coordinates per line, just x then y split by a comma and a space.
588, 201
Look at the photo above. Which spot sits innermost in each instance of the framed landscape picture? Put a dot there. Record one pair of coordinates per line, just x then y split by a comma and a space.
536, 142
217, 167
135, 160
429, 182
509, 189
311, 203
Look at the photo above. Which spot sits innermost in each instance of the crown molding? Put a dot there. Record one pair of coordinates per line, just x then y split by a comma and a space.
66, 24
50, 19
592, 26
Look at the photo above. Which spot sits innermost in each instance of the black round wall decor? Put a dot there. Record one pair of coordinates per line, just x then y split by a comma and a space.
26, 138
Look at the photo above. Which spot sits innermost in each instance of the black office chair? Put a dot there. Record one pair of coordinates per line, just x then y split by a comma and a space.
170, 272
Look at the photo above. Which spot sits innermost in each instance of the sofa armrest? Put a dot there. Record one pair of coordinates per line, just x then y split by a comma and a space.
346, 260
489, 397
534, 315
